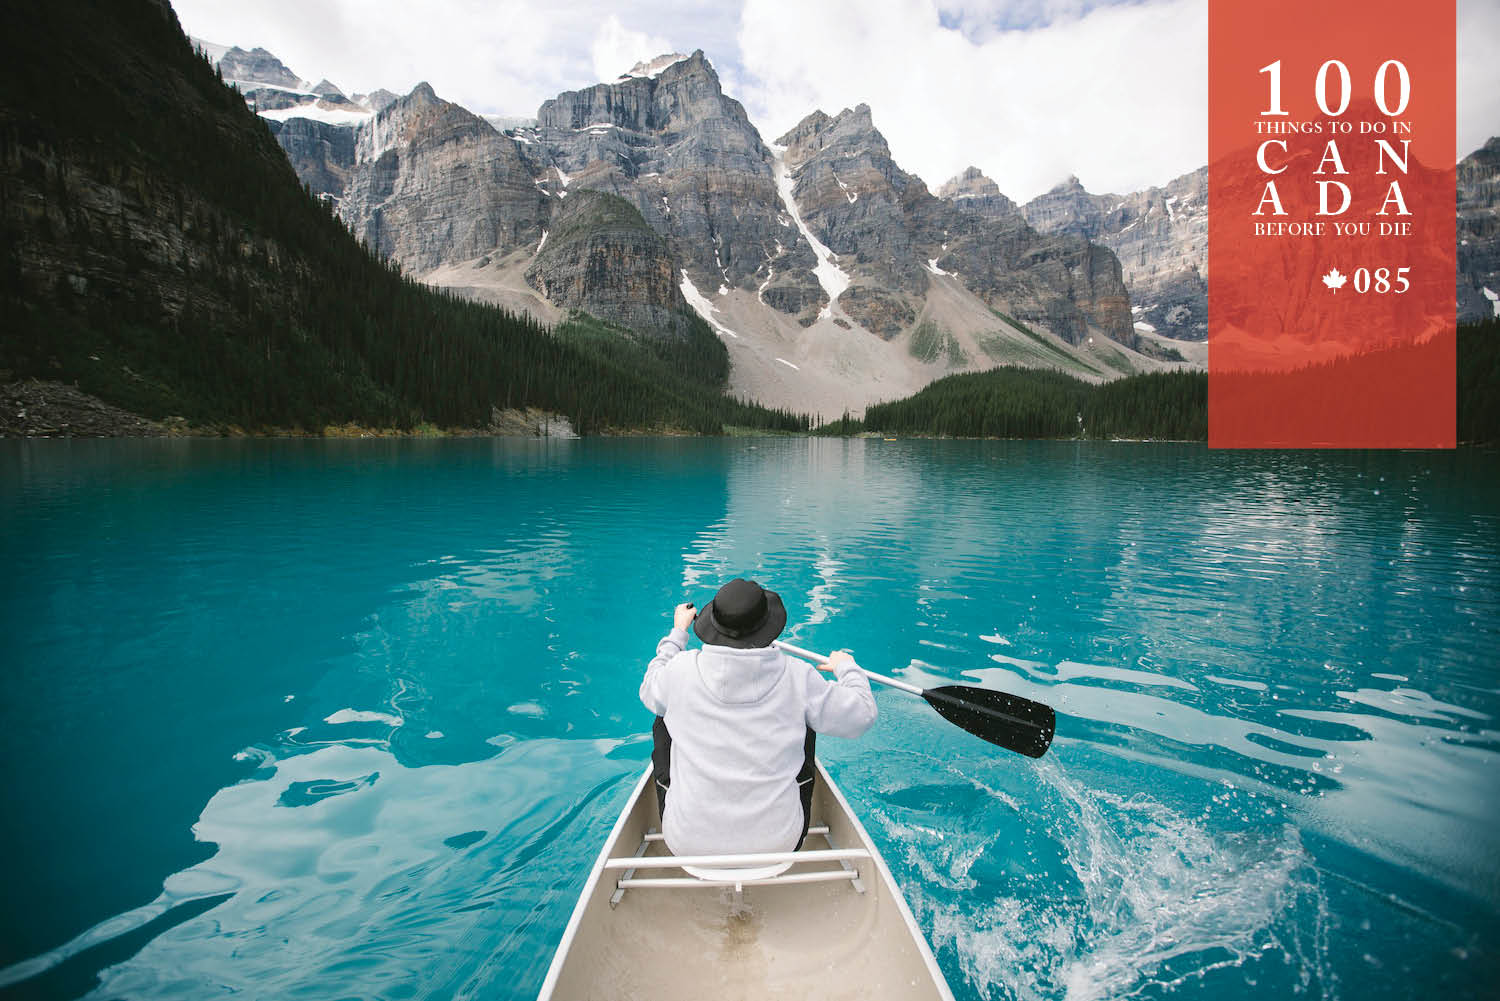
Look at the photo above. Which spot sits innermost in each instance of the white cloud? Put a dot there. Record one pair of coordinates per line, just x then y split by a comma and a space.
1029, 90
502, 56
616, 48
1115, 96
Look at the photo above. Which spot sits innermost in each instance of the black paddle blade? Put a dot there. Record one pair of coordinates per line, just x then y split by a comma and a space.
1010, 721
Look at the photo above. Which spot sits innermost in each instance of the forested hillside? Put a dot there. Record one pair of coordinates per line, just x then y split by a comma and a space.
159, 252
1015, 402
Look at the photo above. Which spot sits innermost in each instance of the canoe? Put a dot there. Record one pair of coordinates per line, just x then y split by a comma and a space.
826, 922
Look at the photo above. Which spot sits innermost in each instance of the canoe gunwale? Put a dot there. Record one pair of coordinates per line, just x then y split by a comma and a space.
595, 874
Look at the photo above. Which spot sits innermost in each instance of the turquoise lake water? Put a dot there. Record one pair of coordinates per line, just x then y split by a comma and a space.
344, 719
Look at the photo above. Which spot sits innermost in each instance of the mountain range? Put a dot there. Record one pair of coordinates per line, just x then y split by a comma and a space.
836, 278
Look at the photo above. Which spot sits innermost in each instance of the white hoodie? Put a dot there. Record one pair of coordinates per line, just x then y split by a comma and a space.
738, 720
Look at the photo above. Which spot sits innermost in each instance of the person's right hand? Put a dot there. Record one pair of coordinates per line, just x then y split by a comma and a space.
837, 659
683, 615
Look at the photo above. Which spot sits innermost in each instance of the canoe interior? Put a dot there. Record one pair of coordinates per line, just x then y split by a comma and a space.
794, 941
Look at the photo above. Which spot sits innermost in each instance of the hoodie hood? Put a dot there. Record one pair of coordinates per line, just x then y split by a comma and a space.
738, 676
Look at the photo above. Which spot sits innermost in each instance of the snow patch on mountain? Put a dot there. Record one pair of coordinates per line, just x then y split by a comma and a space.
702, 306
248, 85
833, 279
853, 196
319, 113
653, 67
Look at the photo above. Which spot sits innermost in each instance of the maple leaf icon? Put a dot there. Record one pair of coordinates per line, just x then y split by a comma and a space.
1334, 280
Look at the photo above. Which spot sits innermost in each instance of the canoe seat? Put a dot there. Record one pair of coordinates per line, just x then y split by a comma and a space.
735, 874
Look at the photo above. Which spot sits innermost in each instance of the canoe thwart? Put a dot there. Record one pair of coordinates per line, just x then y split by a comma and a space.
687, 882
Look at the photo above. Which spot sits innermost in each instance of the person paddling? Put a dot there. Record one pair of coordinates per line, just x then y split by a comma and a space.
736, 722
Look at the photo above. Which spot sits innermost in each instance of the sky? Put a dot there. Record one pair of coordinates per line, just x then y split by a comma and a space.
1029, 91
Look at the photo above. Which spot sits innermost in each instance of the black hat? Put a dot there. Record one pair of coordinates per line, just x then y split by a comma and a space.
743, 614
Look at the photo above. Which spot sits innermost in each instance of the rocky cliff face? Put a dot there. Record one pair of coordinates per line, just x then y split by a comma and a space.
600, 256
1479, 233
432, 182
893, 236
321, 154
686, 156
1160, 236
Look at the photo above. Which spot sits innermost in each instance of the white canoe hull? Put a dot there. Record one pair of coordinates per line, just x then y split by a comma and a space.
797, 940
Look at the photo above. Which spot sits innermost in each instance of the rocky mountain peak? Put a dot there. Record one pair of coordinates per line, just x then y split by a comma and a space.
258, 66
423, 94
682, 94
420, 113
326, 88
971, 179
973, 190
851, 131
972, 183
811, 125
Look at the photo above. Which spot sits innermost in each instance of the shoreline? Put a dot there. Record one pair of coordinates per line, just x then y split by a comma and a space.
40, 409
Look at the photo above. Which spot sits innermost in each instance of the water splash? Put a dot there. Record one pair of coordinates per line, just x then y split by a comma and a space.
1094, 895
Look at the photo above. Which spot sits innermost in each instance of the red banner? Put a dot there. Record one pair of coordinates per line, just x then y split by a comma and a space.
1331, 234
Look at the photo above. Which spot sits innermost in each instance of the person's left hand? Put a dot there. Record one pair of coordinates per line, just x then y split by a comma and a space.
684, 615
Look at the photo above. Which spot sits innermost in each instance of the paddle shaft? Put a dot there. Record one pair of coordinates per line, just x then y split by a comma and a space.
892, 682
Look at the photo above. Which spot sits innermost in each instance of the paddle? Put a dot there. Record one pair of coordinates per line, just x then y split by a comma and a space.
1010, 721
